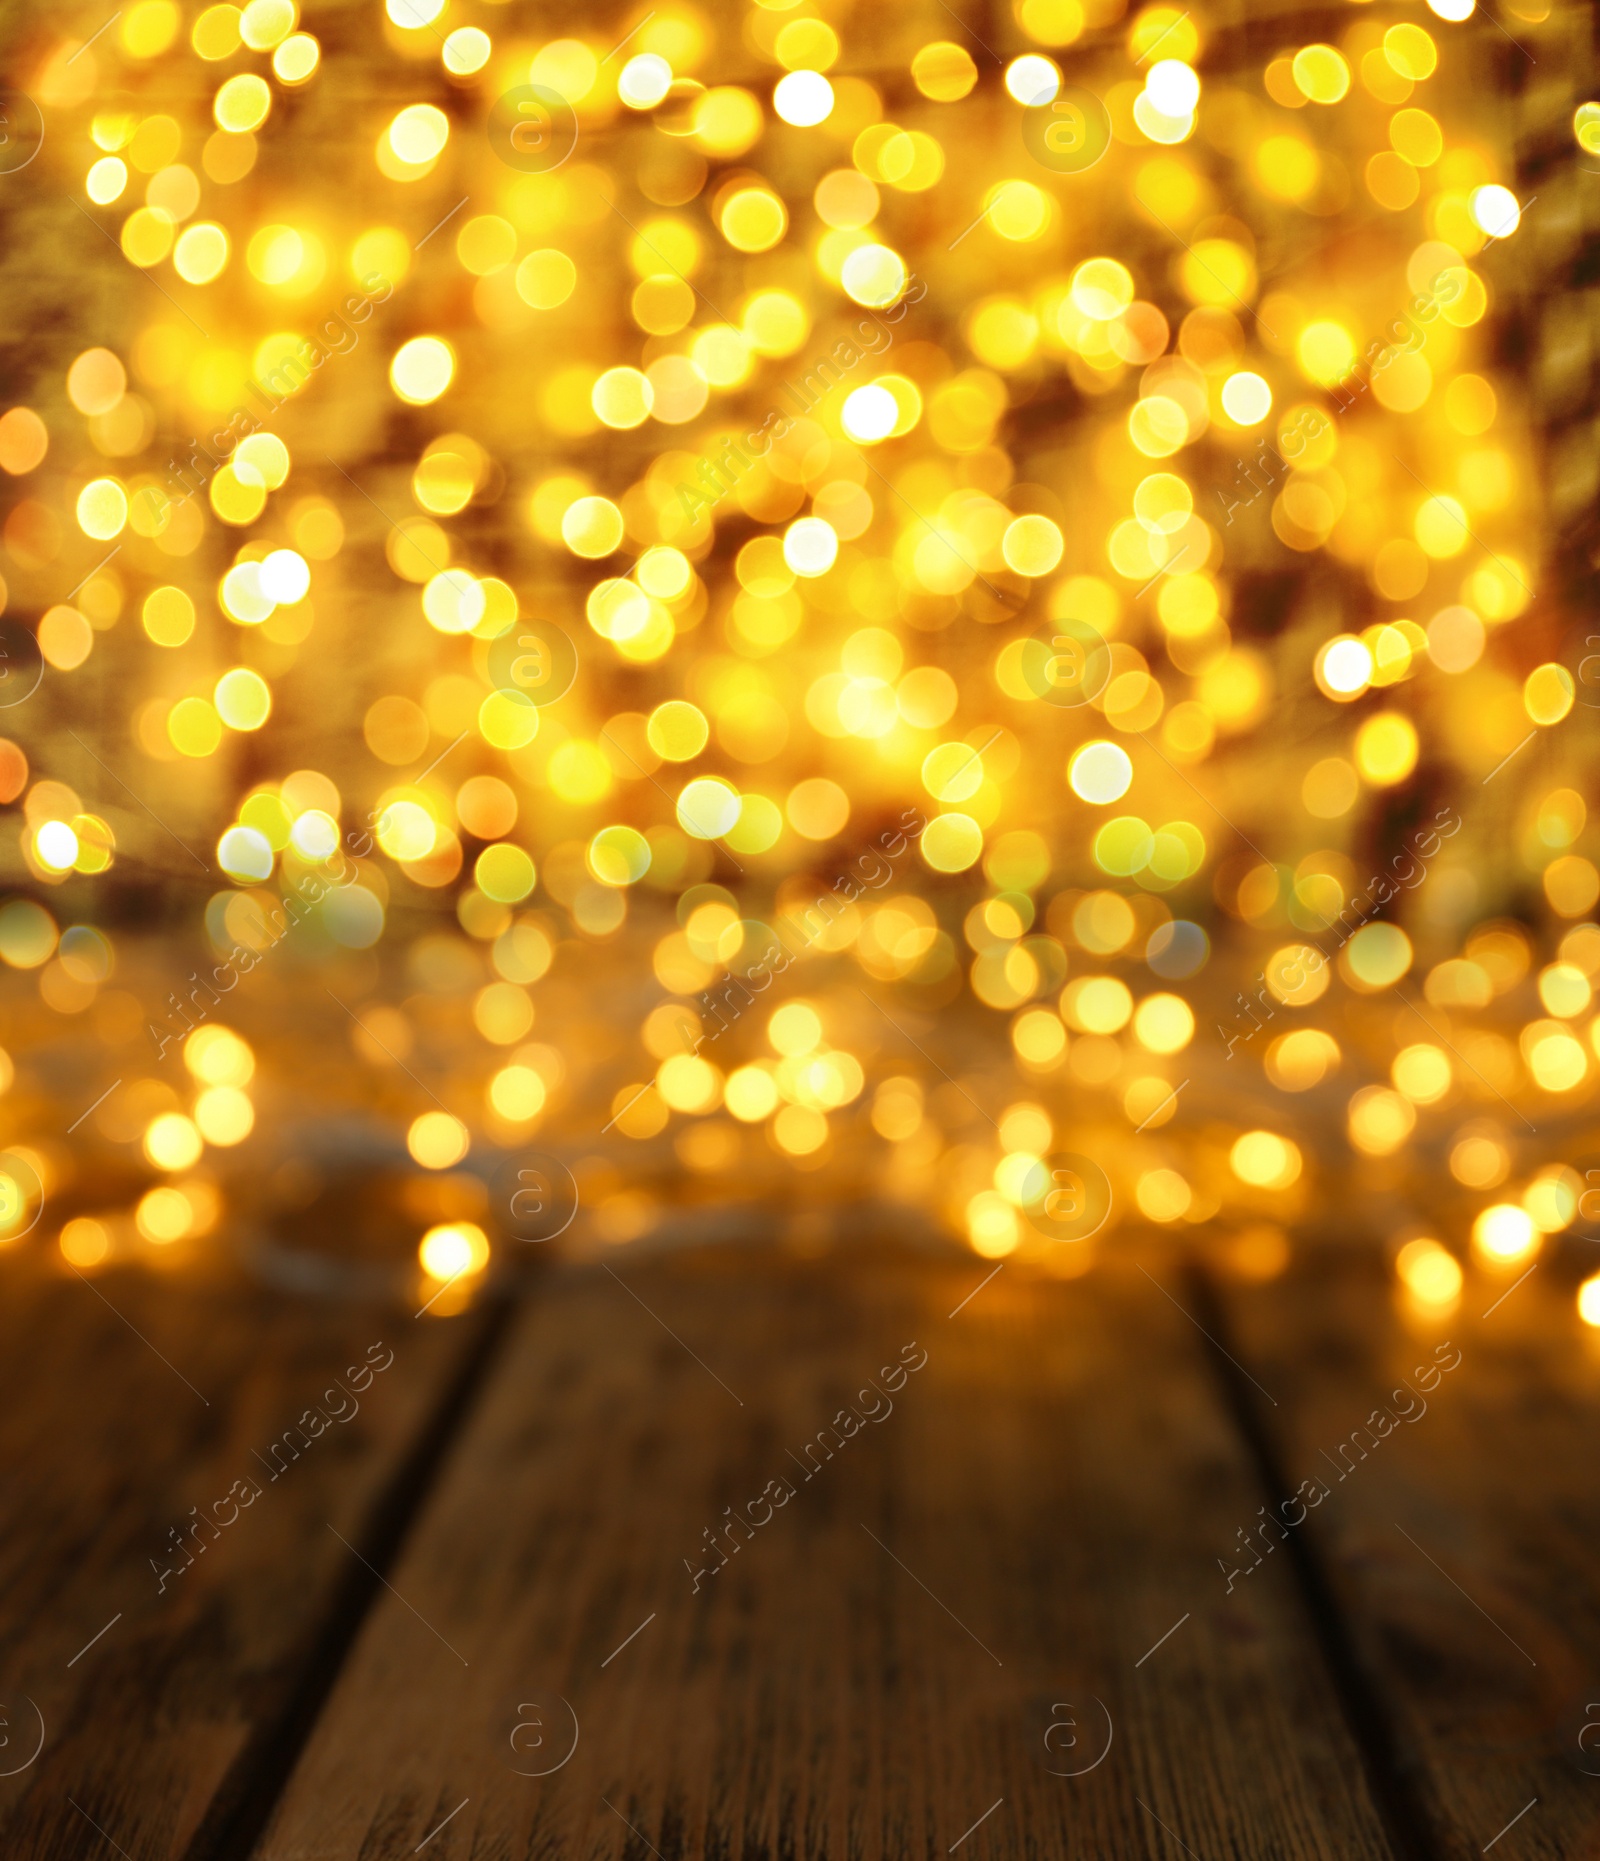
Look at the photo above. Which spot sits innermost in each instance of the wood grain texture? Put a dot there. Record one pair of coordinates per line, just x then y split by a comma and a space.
1463, 1545
879, 1665
157, 1731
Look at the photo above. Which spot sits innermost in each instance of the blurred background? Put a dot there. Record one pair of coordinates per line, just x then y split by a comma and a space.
816, 613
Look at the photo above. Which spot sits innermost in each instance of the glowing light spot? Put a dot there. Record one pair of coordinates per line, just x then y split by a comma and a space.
1429, 1272
1246, 398
453, 1250
437, 1141
1265, 1160
422, 369
55, 845
1504, 1233
804, 98
1100, 773
172, 1142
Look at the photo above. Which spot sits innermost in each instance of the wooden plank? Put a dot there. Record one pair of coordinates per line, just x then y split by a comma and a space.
1019, 1537
166, 1700
1461, 1532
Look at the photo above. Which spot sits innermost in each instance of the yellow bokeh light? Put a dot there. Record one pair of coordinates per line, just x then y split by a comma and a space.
1246, 398
1386, 748
1163, 1195
422, 369
243, 699
1441, 527
1429, 1272
194, 728
418, 133
1265, 1160
622, 398
1422, 1072
1321, 73
794, 1029
592, 527
163, 1215
517, 1094
750, 1094
1379, 1121
678, 730
754, 219
84, 1242
1297, 1061
804, 98
1032, 545
295, 59
1164, 1023
993, 1227
453, 1250
242, 103
546, 278
437, 1140
102, 509
1504, 1234
1101, 773
219, 1057
944, 71
201, 252
1376, 957
1326, 351
55, 845
172, 1142
224, 1115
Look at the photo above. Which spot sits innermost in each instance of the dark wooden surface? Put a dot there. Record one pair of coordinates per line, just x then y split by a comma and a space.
1463, 1547
1056, 1476
113, 1423
1028, 1539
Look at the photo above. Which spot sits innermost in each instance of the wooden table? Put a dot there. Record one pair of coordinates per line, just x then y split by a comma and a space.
989, 1598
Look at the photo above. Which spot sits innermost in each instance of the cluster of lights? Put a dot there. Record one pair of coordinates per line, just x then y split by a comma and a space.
809, 515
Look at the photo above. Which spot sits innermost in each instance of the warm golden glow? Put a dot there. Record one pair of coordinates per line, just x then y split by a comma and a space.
799, 616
